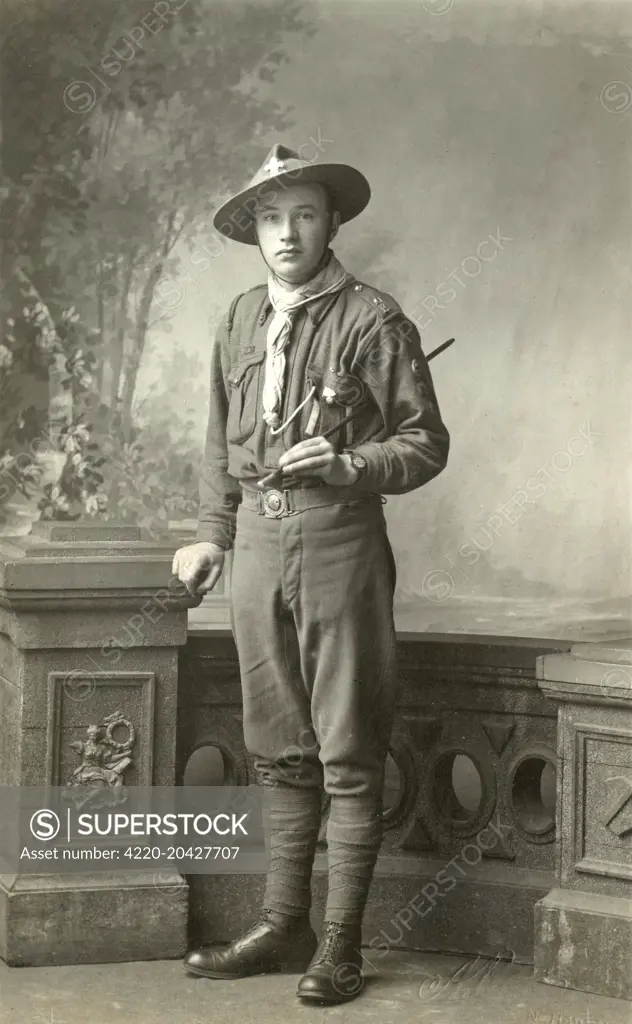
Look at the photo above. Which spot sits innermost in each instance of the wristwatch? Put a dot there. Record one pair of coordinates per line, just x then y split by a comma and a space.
358, 462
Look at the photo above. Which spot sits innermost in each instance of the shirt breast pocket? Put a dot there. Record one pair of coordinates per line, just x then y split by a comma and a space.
244, 396
339, 395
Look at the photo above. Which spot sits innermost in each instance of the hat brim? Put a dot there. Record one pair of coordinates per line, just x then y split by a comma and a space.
349, 189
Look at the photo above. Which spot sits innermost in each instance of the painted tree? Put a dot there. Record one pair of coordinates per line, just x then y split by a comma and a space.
104, 177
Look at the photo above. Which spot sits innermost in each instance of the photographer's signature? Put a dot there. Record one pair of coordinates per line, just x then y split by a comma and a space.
535, 1017
469, 976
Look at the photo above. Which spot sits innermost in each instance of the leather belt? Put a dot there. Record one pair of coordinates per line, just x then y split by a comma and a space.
275, 504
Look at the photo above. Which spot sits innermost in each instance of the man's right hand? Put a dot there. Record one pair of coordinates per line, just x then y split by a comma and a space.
199, 566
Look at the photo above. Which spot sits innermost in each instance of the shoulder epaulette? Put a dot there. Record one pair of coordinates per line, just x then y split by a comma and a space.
380, 301
230, 316
233, 306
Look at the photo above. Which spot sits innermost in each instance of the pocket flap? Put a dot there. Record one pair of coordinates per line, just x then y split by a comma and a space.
238, 372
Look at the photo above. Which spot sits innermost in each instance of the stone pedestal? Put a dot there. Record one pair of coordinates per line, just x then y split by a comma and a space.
90, 626
583, 927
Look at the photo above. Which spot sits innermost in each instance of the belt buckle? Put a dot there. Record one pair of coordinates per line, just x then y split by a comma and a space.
275, 504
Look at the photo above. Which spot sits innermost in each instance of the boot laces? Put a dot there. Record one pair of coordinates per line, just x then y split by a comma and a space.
332, 943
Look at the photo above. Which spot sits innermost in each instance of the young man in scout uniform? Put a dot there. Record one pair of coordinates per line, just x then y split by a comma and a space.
321, 402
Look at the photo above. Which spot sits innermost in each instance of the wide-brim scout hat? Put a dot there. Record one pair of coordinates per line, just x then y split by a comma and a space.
282, 168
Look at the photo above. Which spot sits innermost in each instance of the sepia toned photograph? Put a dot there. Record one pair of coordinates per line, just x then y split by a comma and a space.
315, 511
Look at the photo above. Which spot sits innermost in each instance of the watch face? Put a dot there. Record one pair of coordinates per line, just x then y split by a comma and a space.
358, 461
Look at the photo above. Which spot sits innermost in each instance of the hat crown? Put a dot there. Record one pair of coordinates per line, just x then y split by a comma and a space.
277, 161
281, 152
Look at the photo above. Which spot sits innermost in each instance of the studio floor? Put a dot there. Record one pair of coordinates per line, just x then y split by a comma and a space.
405, 988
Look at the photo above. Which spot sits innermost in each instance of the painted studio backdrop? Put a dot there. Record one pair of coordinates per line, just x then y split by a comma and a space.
498, 142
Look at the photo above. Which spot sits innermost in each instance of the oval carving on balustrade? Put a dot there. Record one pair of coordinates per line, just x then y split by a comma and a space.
449, 795
532, 792
212, 762
400, 785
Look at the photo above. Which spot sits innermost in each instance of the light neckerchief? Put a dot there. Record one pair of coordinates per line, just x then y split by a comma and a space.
332, 278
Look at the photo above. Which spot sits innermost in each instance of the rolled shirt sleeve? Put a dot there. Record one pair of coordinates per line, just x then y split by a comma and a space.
416, 442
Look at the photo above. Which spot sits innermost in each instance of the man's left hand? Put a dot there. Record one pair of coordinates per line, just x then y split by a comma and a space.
317, 457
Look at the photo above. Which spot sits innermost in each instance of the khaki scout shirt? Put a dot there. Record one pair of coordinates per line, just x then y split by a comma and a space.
356, 344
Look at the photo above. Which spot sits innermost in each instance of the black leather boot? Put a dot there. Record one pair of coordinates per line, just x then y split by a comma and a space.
334, 974
279, 942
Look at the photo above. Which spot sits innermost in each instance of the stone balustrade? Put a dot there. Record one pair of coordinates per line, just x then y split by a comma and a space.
470, 840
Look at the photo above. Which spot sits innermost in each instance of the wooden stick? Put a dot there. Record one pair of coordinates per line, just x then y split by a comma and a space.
441, 348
